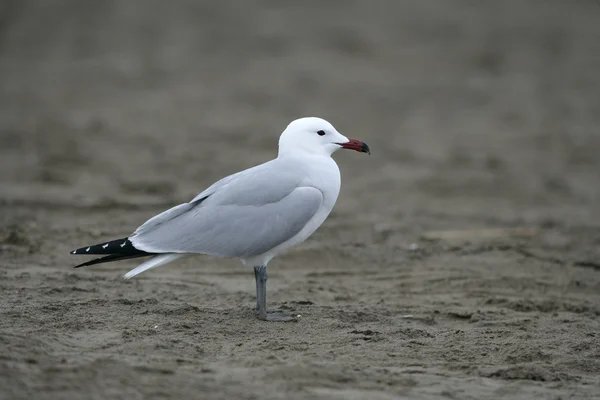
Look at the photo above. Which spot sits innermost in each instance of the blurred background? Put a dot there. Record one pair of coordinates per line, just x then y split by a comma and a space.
499, 99
479, 114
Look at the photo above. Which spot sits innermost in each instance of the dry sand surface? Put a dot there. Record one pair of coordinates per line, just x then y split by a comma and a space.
462, 259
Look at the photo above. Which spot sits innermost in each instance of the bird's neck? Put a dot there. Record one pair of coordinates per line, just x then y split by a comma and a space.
299, 152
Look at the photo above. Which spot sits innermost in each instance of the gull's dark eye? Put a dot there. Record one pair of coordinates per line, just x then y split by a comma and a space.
321, 133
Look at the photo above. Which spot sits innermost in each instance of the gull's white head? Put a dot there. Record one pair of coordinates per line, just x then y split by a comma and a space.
316, 136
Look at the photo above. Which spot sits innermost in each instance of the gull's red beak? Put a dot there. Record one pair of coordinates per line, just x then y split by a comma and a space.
357, 145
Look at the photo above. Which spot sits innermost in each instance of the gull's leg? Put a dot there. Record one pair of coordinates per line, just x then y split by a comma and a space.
259, 287
260, 275
256, 279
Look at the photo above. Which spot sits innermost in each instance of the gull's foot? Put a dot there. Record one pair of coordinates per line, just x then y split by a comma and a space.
277, 316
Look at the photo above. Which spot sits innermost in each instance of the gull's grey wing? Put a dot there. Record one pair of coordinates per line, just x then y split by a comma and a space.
263, 184
251, 186
244, 227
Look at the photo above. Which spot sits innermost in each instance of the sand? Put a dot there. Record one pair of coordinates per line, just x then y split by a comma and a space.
462, 260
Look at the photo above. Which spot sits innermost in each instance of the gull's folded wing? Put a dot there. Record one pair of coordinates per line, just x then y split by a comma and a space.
233, 230
242, 215
252, 185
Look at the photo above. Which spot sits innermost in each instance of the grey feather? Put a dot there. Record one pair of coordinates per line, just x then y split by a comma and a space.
265, 183
230, 191
243, 215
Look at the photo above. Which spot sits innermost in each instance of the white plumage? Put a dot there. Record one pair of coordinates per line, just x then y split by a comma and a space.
254, 214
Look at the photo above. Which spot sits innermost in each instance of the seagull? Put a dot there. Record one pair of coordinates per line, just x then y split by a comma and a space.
253, 215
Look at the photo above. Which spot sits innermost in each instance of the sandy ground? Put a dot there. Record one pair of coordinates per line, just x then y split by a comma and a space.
480, 115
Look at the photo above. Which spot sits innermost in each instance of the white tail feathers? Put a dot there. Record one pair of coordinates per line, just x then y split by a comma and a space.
154, 262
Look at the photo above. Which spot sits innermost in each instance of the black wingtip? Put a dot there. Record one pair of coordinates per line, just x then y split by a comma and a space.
115, 250
120, 246
111, 258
